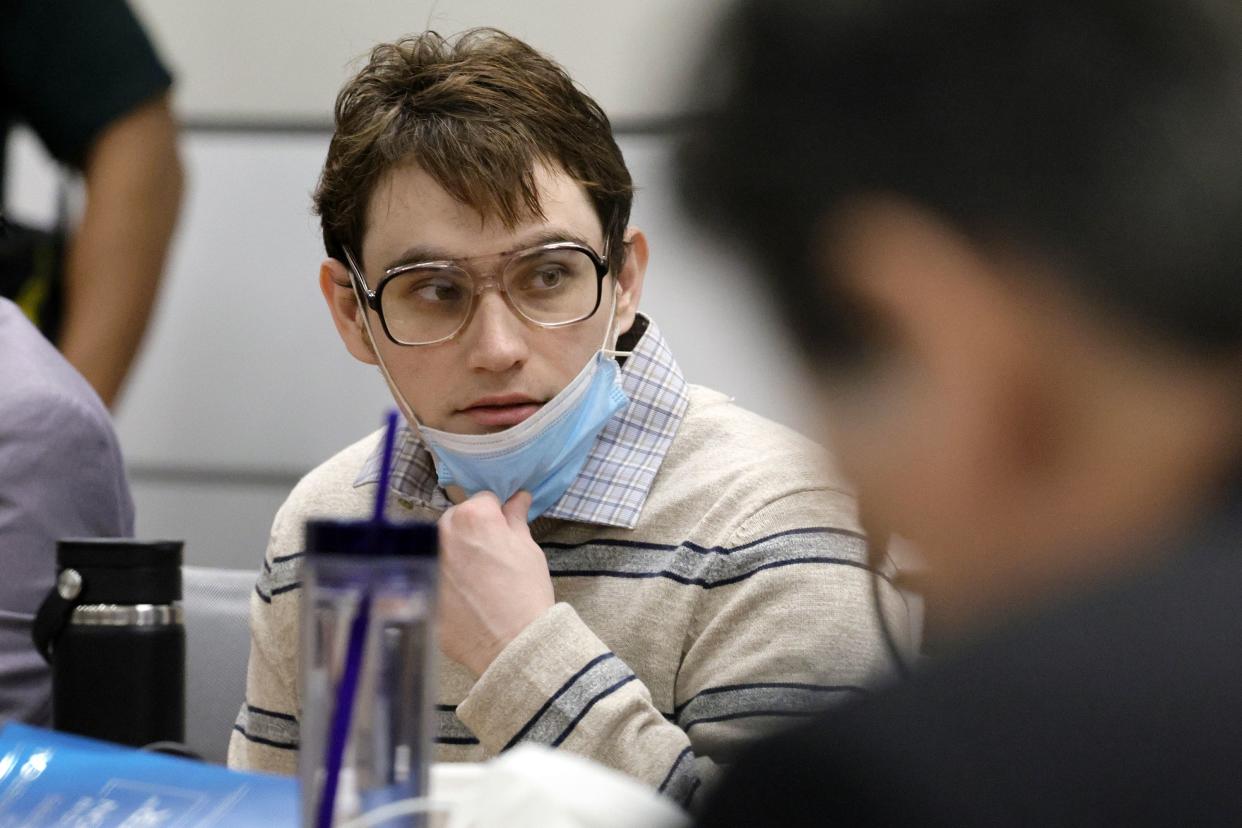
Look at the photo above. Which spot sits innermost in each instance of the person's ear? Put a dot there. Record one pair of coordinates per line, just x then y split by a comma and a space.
630, 279
338, 292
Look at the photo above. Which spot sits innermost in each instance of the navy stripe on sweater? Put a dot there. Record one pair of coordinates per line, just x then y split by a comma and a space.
687, 563
740, 701
451, 730
682, 779
268, 727
694, 565
554, 720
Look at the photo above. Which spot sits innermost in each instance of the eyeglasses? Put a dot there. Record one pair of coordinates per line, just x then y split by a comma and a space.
552, 286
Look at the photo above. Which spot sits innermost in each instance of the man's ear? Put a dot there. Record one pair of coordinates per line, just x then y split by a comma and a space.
338, 292
630, 279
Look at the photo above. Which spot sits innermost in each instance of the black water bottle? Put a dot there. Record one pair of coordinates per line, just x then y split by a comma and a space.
113, 631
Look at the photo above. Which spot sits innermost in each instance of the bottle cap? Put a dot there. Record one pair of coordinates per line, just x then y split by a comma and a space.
369, 538
120, 570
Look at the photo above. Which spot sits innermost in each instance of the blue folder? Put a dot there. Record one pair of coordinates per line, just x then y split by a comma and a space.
53, 779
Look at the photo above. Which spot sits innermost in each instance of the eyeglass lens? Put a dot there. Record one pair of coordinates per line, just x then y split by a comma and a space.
547, 286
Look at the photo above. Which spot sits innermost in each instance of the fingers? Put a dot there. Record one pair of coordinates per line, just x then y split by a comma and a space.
483, 508
516, 509
485, 497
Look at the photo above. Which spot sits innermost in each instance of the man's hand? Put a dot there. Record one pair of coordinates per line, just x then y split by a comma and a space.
494, 578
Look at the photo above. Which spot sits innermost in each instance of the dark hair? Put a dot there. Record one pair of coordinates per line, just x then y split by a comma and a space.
477, 113
1105, 135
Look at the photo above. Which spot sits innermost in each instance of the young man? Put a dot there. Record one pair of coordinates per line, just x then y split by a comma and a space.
649, 575
1008, 234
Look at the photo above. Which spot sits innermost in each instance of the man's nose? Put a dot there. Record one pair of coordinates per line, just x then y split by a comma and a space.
496, 337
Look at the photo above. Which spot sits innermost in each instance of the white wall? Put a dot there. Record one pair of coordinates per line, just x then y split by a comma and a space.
287, 58
243, 385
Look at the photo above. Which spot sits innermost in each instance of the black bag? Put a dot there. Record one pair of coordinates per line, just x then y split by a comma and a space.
32, 263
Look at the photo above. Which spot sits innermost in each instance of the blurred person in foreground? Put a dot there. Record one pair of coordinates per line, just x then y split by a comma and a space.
1008, 237
83, 75
632, 567
61, 476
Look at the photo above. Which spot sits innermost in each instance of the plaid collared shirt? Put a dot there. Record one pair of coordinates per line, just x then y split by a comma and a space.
613, 485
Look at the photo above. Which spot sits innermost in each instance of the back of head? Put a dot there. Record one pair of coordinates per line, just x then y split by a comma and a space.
1102, 135
478, 113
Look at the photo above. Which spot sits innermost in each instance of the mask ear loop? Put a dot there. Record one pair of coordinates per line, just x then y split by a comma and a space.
355, 274
612, 318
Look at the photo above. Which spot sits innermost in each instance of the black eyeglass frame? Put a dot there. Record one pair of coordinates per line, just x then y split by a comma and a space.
374, 298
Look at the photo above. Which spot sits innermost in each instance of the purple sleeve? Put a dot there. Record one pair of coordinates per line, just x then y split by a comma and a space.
61, 475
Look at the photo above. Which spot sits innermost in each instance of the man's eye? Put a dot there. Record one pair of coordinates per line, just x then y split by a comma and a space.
547, 279
436, 291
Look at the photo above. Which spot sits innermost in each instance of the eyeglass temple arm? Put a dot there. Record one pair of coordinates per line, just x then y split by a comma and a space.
359, 281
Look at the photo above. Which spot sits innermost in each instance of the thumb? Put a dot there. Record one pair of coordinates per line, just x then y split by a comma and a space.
516, 509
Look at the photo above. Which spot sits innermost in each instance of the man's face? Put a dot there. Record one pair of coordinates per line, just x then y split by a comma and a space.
501, 368
1021, 439
958, 435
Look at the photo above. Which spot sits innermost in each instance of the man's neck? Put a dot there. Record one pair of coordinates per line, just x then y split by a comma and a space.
1143, 457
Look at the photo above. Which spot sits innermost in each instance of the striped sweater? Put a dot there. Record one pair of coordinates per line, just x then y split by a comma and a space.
739, 599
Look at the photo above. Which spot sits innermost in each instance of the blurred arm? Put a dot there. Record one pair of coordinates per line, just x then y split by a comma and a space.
133, 194
61, 475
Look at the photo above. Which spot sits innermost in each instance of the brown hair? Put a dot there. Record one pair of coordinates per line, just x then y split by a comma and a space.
477, 113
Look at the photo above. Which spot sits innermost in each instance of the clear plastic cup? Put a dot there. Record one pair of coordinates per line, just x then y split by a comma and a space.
368, 661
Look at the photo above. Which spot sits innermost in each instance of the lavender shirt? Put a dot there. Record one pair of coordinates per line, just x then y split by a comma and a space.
61, 476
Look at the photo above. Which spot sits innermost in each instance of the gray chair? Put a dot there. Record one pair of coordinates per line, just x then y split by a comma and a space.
217, 637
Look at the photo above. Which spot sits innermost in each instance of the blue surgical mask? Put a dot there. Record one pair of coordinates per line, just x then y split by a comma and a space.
544, 453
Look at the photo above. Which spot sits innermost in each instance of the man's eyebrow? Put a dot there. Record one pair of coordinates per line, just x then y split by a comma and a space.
418, 253
429, 253
548, 236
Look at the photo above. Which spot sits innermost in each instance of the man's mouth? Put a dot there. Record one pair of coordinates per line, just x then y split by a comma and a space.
501, 411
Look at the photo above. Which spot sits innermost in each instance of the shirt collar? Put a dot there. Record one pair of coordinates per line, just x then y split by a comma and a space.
614, 483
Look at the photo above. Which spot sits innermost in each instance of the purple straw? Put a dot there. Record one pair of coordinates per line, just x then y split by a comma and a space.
344, 710
390, 438
348, 688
